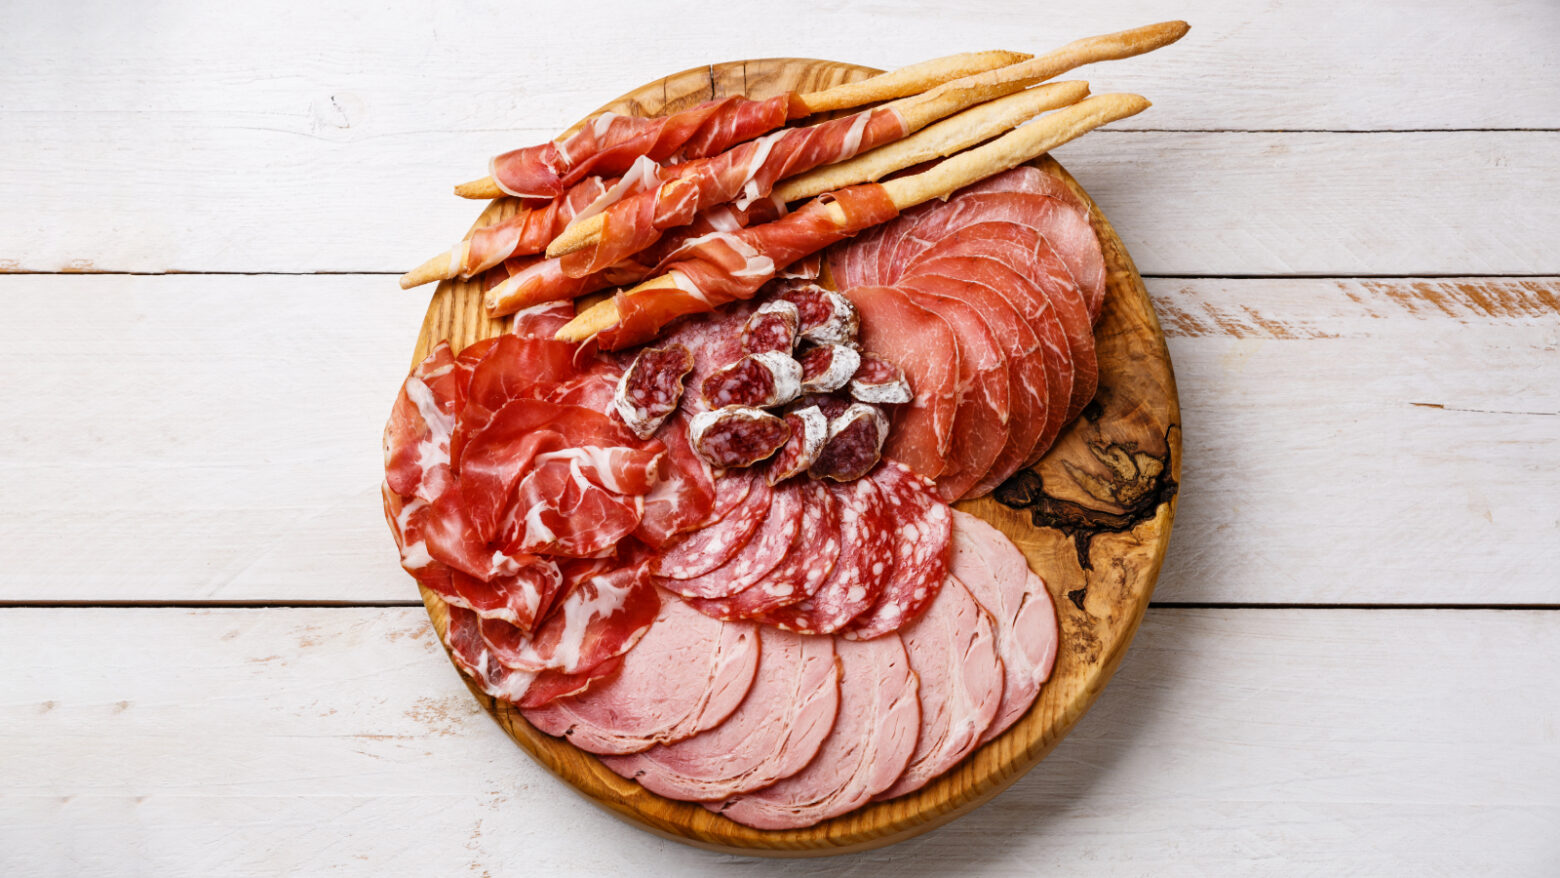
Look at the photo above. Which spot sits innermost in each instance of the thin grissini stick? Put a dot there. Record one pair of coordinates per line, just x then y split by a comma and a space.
1106, 47
1010, 150
751, 169
945, 138
885, 86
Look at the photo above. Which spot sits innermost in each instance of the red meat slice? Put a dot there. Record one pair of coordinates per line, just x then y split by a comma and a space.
604, 612
698, 552
764, 550
685, 493
922, 532
864, 565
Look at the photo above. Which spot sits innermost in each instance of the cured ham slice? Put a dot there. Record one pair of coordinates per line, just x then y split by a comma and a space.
998, 576
775, 732
685, 493
924, 348
919, 551
743, 174
686, 675
953, 650
417, 437
608, 144
808, 563
863, 755
606, 609
528, 231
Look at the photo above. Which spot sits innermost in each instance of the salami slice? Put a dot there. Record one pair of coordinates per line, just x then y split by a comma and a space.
826, 316
880, 382
765, 549
809, 430
866, 538
810, 561
854, 445
761, 380
737, 436
773, 327
698, 552
651, 388
828, 367
922, 535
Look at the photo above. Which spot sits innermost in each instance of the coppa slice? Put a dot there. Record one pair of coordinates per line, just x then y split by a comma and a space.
810, 561
953, 651
698, 552
872, 740
922, 345
866, 532
686, 675
999, 577
921, 534
765, 549
775, 732
605, 612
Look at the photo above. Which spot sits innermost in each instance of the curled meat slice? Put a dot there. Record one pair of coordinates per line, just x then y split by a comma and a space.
762, 380
876, 380
826, 316
651, 388
737, 436
772, 328
809, 430
854, 445
828, 367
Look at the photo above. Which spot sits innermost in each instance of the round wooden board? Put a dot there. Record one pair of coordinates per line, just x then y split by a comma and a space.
1093, 517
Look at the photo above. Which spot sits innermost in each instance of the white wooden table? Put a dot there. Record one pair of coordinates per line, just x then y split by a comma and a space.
210, 662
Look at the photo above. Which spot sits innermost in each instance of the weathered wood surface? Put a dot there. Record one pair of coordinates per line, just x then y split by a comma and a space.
1263, 742
1107, 502
1295, 392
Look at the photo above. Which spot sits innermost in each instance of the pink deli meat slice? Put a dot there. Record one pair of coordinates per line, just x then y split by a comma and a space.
858, 577
922, 532
764, 550
698, 552
808, 563
773, 734
998, 576
922, 345
953, 650
865, 753
686, 675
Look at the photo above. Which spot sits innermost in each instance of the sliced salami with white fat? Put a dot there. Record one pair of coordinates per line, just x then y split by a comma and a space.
809, 430
826, 316
922, 532
808, 563
737, 436
774, 327
761, 380
697, 552
864, 565
880, 382
854, 445
765, 549
828, 367
652, 387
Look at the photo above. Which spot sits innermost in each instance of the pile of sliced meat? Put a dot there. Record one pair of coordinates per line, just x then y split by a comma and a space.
987, 303
780, 730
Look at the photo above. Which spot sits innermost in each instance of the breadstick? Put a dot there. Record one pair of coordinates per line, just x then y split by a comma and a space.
1010, 150
944, 138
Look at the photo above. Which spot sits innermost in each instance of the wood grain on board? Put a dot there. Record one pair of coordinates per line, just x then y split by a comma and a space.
1093, 518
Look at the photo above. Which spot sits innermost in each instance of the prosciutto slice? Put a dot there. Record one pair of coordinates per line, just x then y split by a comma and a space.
609, 143
530, 229
743, 174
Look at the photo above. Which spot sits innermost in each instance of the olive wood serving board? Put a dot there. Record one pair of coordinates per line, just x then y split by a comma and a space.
1093, 517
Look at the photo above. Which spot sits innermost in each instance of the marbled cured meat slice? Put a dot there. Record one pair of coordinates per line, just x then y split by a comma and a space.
953, 650
809, 562
879, 382
863, 568
528, 230
922, 346
826, 316
864, 754
922, 533
579, 502
686, 675
854, 445
511, 367
541, 321
604, 612
762, 380
652, 387
809, 430
1030, 179
764, 550
684, 496
549, 685
772, 328
417, 436
775, 732
980, 422
998, 576
699, 551
827, 367
737, 436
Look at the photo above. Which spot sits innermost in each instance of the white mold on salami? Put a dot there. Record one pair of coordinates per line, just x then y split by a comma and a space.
854, 445
759, 380
773, 327
809, 430
827, 367
737, 436
880, 382
826, 315
651, 388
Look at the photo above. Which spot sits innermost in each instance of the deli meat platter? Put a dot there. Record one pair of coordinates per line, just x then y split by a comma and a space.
883, 707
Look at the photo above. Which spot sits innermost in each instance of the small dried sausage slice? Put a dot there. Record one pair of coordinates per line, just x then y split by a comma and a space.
876, 380
737, 436
828, 367
854, 445
809, 430
762, 380
651, 388
826, 316
773, 327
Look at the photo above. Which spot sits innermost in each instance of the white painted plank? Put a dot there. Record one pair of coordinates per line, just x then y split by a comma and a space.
216, 438
304, 741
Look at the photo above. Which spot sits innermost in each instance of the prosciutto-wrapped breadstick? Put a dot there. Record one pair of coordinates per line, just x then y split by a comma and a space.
750, 170
735, 265
609, 143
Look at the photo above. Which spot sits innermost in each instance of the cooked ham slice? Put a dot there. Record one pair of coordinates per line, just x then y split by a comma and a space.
686, 675
865, 753
775, 732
